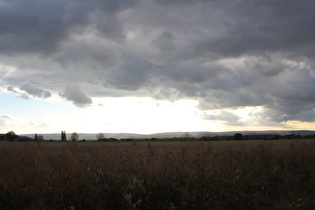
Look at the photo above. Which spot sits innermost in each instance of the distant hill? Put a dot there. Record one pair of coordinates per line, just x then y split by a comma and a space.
92, 136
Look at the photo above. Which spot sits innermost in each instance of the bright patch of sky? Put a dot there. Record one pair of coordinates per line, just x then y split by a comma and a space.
141, 115
126, 114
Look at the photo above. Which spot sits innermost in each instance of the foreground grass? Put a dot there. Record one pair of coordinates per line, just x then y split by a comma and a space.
173, 175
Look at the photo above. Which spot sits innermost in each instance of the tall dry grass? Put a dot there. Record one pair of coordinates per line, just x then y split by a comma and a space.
196, 175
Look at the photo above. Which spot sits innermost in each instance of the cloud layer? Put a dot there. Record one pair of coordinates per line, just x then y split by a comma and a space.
223, 54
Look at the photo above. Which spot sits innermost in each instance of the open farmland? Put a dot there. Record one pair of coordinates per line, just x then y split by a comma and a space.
158, 175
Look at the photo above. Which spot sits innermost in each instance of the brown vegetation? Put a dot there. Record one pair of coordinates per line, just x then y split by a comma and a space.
159, 175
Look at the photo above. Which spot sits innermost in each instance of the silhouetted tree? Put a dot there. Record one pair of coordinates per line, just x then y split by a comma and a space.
100, 137
35, 137
40, 138
63, 136
11, 136
187, 136
238, 136
74, 136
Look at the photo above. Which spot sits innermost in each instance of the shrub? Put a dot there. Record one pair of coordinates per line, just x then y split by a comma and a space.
11, 136
74, 136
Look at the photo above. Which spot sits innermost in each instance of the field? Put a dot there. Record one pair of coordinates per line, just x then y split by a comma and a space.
158, 175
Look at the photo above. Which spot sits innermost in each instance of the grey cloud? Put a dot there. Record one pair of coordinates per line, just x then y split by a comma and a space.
304, 117
109, 26
286, 92
294, 93
21, 95
97, 54
27, 27
224, 116
228, 117
287, 95
43, 26
76, 96
165, 41
11, 89
34, 91
133, 74
179, 2
258, 28
240, 28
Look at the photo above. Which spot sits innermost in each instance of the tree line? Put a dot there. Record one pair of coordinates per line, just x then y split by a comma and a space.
12, 136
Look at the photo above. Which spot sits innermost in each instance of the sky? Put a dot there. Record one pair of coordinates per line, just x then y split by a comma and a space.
149, 66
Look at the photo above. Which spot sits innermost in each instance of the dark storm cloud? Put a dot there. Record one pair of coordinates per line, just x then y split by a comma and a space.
225, 54
133, 74
27, 26
95, 53
165, 41
304, 116
42, 26
258, 27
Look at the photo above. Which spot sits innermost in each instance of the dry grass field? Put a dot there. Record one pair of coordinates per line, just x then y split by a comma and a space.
158, 175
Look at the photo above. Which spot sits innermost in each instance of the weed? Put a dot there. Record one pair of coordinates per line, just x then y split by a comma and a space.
157, 175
